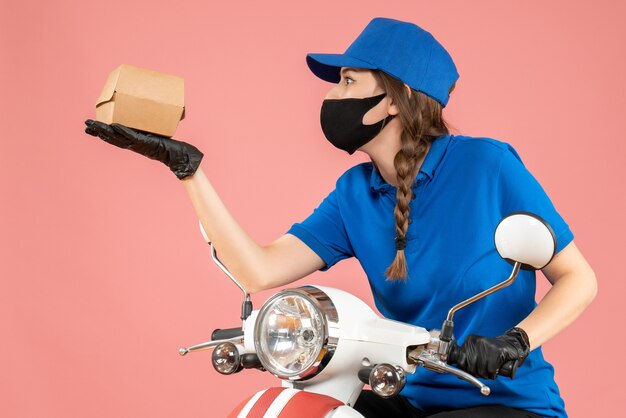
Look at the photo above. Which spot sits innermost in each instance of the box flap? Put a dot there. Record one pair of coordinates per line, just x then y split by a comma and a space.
109, 87
153, 85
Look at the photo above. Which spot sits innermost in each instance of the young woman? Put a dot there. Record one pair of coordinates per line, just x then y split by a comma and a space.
419, 218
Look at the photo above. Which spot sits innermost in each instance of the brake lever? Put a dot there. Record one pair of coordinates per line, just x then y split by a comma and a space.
431, 361
210, 344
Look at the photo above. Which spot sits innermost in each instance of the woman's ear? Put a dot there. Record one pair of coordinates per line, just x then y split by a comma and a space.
392, 109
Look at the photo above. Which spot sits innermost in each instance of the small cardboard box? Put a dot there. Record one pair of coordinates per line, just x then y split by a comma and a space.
142, 99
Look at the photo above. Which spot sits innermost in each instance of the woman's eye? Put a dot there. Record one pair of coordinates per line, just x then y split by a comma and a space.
347, 79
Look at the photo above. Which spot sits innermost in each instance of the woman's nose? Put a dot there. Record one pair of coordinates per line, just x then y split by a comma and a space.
332, 94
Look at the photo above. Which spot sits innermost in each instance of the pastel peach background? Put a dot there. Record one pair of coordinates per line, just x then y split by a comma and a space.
103, 271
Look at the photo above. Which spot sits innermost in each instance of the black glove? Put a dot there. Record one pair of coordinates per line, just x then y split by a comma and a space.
484, 357
182, 158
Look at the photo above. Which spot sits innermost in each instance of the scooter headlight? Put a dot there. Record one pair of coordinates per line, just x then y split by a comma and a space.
296, 333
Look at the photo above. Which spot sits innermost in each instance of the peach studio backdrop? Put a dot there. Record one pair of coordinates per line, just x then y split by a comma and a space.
104, 273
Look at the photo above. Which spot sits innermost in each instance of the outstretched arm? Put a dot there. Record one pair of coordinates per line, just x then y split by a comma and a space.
256, 267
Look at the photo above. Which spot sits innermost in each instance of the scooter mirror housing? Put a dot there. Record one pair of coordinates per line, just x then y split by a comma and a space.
525, 238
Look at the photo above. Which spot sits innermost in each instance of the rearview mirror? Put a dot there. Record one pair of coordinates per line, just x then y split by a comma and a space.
525, 238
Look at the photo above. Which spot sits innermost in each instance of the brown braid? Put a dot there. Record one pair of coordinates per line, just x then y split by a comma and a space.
422, 121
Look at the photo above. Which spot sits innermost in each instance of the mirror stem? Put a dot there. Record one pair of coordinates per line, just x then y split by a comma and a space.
484, 293
448, 324
246, 306
227, 272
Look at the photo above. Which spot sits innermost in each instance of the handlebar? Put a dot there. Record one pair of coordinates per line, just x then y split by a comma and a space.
226, 333
508, 369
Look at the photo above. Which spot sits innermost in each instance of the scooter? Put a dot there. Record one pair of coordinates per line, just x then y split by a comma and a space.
325, 344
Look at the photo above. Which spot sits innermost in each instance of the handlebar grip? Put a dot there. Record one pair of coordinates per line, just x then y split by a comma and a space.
224, 334
509, 368
452, 353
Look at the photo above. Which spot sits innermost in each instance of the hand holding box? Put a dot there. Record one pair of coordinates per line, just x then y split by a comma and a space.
182, 158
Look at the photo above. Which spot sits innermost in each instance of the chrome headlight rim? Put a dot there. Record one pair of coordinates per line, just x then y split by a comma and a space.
322, 302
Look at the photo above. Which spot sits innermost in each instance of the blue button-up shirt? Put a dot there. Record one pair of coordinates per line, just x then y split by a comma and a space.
465, 186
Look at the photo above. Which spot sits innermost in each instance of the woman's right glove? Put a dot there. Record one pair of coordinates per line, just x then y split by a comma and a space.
182, 158
485, 357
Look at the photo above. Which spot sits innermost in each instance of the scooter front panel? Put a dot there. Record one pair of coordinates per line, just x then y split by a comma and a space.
287, 403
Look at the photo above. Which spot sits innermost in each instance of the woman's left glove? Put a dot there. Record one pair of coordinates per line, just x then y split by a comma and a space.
484, 357
182, 158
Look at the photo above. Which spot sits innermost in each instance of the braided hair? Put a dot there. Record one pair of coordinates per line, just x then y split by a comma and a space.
422, 122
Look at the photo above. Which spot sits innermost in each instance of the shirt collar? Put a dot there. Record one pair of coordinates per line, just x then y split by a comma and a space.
427, 170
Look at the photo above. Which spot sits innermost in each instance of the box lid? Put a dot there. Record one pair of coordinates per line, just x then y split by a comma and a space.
145, 84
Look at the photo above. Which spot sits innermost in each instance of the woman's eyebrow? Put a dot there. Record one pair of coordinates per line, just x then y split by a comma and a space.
345, 70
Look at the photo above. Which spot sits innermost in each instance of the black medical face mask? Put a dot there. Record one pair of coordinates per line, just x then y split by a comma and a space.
342, 124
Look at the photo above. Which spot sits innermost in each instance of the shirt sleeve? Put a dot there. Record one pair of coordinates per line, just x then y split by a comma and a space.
324, 232
520, 191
